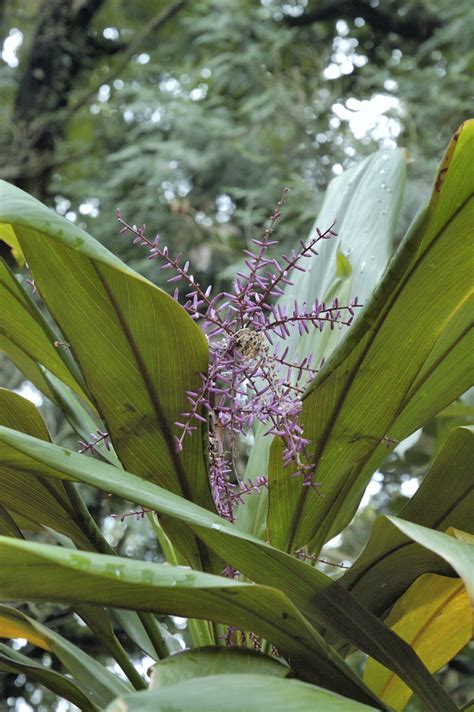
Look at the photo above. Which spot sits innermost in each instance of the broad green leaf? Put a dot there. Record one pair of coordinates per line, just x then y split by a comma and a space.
324, 602
11, 661
96, 682
213, 661
457, 550
364, 203
42, 501
404, 360
444, 499
237, 693
63, 575
28, 340
435, 617
138, 350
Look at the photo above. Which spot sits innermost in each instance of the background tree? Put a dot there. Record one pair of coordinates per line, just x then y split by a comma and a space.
194, 115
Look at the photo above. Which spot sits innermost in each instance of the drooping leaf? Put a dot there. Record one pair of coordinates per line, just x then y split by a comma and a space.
435, 617
62, 575
213, 661
44, 502
403, 361
28, 339
11, 661
8, 525
322, 600
457, 550
237, 693
97, 683
444, 499
138, 350
84, 422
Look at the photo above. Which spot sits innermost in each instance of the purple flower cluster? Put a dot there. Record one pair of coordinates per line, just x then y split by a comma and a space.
250, 378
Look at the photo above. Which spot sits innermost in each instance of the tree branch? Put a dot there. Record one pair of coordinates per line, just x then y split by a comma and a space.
417, 25
156, 23
61, 48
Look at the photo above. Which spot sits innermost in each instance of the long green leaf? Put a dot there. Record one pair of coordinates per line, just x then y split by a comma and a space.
137, 348
14, 662
404, 360
321, 599
445, 499
237, 693
27, 338
457, 550
97, 683
61, 575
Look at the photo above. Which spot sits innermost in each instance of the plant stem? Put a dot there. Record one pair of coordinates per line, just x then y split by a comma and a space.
152, 627
116, 649
202, 632
100, 543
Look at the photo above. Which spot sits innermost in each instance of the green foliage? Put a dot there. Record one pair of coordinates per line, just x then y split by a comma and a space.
132, 352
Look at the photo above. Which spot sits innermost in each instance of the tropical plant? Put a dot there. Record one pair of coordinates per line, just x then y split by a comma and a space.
174, 416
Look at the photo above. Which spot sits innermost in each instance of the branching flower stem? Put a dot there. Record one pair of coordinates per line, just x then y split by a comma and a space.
248, 380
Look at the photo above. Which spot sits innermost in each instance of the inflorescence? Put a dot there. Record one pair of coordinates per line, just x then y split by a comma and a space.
251, 377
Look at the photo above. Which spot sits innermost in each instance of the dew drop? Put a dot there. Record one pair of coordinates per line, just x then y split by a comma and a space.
372, 257
362, 267
216, 526
147, 576
82, 562
383, 186
382, 171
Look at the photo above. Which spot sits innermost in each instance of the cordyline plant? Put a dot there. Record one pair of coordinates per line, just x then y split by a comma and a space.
245, 427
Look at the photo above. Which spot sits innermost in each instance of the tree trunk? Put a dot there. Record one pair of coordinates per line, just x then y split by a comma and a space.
62, 46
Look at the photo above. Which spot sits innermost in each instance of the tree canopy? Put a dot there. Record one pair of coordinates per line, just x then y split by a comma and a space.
191, 117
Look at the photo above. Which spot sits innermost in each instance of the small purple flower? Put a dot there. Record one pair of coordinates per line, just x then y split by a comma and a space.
248, 380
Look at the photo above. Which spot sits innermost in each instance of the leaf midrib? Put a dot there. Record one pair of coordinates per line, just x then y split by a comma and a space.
350, 378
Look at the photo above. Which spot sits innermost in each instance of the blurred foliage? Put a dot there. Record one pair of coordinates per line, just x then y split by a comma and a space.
229, 101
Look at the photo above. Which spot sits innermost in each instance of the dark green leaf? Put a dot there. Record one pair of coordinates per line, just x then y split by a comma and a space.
321, 599
237, 693
213, 661
14, 662
62, 575
97, 683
